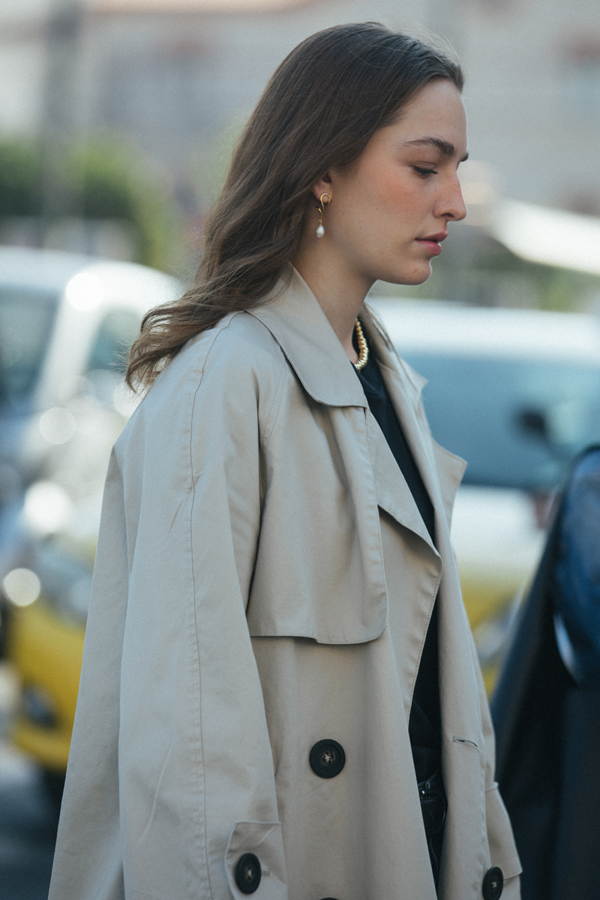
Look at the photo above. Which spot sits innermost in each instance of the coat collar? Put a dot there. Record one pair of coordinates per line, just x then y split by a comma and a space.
296, 320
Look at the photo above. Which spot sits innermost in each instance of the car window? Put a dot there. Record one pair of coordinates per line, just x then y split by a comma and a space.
26, 320
113, 338
517, 423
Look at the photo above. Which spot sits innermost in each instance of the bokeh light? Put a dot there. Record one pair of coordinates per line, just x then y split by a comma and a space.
47, 507
22, 587
84, 291
57, 425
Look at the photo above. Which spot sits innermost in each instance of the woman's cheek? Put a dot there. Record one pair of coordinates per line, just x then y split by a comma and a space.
400, 194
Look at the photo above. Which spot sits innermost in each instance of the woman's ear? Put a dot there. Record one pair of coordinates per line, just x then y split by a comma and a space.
323, 186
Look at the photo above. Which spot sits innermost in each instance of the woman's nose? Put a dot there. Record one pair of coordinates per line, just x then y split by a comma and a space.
452, 206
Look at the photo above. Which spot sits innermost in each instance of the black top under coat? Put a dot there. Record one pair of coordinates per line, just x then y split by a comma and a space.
424, 725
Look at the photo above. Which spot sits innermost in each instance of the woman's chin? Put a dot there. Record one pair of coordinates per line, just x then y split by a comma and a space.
417, 276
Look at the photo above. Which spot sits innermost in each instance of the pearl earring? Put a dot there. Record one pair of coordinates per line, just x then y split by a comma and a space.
321, 207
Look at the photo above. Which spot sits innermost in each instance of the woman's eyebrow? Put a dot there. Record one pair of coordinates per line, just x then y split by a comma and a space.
445, 147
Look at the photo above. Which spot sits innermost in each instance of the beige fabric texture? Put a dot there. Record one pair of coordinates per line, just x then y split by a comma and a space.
264, 581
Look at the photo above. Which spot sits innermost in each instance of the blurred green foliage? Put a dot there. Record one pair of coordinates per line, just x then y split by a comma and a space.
103, 178
488, 274
550, 287
20, 179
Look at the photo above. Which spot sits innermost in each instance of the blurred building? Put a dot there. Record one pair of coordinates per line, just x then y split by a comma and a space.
176, 78
173, 74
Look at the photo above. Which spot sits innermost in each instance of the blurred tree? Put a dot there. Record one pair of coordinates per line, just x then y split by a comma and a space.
19, 179
105, 179
111, 182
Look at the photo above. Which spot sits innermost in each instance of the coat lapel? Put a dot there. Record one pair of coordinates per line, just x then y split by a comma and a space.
295, 318
393, 493
440, 470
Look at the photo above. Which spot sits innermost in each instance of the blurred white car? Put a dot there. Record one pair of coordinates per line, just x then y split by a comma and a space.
66, 323
516, 393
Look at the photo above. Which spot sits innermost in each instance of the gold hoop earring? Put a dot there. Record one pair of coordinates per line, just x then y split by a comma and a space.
321, 207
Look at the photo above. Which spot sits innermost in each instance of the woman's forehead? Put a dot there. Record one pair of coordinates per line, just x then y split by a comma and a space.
433, 119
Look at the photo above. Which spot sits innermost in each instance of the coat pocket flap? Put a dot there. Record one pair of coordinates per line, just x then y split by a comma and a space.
327, 617
254, 861
319, 568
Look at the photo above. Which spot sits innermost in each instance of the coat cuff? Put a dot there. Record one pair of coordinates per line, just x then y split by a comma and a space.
503, 852
256, 847
512, 888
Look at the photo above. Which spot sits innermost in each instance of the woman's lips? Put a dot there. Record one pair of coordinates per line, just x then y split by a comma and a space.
432, 242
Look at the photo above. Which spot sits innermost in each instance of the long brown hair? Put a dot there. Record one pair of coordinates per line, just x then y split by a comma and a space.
319, 110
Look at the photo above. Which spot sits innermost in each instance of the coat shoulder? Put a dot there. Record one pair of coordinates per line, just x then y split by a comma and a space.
239, 345
238, 359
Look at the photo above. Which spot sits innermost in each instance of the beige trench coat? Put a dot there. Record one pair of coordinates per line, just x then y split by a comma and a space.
264, 581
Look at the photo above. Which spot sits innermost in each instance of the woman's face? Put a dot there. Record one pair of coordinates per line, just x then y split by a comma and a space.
390, 209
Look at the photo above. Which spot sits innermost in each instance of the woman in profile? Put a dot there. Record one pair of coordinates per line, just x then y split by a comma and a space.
280, 695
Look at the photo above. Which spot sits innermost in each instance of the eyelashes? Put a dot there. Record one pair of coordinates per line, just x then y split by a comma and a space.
424, 173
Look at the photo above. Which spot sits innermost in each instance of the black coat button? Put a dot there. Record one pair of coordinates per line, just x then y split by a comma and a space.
493, 884
247, 873
327, 759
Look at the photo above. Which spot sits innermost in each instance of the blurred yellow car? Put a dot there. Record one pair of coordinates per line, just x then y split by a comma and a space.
65, 324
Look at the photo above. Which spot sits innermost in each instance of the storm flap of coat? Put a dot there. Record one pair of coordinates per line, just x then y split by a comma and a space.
264, 582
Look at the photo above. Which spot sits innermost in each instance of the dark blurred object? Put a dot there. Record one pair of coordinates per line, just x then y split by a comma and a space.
546, 707
533, 423
577, 574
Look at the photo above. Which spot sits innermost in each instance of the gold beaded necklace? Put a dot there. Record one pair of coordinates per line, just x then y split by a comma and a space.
363, 348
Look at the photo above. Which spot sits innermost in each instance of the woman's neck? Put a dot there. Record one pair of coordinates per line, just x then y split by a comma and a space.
340, 293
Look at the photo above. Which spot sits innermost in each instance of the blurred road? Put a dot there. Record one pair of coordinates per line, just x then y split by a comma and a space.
27, 819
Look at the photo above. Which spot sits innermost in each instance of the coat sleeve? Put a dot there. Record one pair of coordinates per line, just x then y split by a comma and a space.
170, 780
